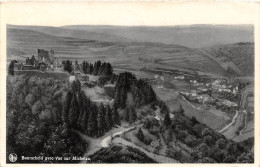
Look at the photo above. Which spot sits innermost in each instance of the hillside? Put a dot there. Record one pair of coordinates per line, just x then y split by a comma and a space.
120, 154
192, 36
74, 33
238, 58
23, 41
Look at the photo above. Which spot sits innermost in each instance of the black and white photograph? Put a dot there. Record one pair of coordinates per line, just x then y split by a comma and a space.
91, 94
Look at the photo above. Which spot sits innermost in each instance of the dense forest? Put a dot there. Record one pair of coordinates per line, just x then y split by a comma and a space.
34, 124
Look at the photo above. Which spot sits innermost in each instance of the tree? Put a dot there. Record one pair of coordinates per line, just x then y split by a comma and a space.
73, 112
169, 135
221, 143
194, 121
182, 135
11, 67
91, 123
198, 129
203, 148
66, 108
147, 123
181, 110
68, 66
220, 155
115, 116
232, 148
190, 140
108, 118
76, 86
123, 97
117, 98
209, 140
140, 134
127, 113
206, 132
229, 159
246, 158
96, 67
167, 120
101, 120
132, 115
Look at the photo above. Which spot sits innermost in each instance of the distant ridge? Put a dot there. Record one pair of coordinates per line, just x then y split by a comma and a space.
193, 36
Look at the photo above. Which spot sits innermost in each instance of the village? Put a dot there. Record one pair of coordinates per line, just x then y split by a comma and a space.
206, 93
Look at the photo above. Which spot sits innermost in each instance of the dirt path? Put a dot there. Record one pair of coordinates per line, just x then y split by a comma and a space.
95, 144
230, 124
107, 140
158, 158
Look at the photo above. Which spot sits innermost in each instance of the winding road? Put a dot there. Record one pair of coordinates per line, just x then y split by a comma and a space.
97, 144
107, 140
230, 132
158, 158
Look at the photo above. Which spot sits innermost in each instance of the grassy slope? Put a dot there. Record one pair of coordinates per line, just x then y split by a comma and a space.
238, 57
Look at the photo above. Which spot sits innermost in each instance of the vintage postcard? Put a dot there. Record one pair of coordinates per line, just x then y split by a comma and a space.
134, 83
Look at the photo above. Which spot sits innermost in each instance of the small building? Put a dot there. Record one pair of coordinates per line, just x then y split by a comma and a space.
185, 93
229, 103
193, 94
179, 77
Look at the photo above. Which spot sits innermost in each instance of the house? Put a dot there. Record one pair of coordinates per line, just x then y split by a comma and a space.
179, 77
203, 89
185, 93
193, 94
215, 82
205, 97
226, 90
229, 103
162, 78
160, 87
